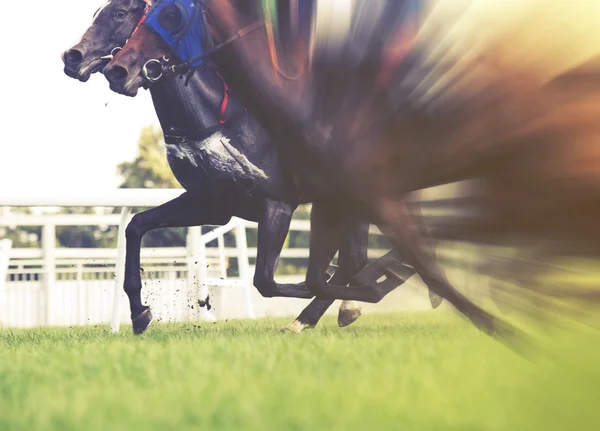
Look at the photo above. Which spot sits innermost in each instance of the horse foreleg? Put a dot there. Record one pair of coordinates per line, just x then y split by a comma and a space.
325, 236
405, 236
326, 233
434, 298
187, 210
273, 228
352, 258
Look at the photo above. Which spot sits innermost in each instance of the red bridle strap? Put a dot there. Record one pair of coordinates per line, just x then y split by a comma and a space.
225, 98
143, 18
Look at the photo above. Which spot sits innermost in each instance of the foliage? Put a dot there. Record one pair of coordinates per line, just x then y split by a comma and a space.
85, 236
150, 168
21, 236
421, 371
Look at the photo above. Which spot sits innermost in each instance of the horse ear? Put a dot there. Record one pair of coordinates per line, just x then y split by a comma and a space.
148, 3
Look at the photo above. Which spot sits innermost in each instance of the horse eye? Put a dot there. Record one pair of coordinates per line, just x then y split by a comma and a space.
120, 14
171, 18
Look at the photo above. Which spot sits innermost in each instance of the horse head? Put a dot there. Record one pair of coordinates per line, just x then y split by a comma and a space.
113, 23
172, 36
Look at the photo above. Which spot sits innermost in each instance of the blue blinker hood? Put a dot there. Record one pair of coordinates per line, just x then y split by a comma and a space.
181, 25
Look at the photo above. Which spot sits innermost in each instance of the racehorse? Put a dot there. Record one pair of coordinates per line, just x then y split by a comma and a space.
188, 113
525, 138
174, 36
444, 113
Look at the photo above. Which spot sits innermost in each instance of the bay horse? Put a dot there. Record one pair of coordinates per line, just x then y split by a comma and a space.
187, 113
171, 37
533, 144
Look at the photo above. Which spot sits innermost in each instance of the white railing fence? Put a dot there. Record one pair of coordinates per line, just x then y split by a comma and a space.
5, 247
50, 286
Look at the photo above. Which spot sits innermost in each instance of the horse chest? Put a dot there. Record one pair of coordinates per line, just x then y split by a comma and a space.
214, 159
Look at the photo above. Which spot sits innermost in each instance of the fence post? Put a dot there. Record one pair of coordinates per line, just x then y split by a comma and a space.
191, 278
49, 249
115, 323
81, 296
244, 265
5, 247
202, 272
222, 259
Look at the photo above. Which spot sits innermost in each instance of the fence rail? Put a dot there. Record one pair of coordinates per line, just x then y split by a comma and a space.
71, 286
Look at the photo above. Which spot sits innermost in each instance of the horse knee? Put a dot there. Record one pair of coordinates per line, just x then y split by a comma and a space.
317, 286
264, 285
134, 229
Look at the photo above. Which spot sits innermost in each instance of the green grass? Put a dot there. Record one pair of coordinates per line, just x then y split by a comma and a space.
429, 371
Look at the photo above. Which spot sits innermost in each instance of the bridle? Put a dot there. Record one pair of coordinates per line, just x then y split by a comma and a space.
116, 49
168, 20
187, 67
112, 54
193, 56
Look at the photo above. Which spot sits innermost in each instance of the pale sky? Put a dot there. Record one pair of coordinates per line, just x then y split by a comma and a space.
58, 133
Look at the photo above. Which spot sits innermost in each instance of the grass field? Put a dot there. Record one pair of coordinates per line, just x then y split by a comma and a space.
428, 371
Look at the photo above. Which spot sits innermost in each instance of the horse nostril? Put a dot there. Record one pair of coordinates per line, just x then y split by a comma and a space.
73, 57
116, 74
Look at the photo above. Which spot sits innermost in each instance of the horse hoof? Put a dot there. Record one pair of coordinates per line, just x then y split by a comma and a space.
296, 327
435, 300
348, 313
141, 322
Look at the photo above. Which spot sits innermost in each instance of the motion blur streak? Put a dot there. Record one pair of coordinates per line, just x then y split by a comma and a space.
501, 98
528, 238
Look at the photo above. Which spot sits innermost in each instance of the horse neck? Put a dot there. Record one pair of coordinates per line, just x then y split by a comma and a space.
249, 68
194, 107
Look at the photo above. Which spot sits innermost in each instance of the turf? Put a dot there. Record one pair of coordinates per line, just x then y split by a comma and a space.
428, 371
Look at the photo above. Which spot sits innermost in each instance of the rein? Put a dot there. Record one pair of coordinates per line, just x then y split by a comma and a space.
191, 64
273, 46
240, 34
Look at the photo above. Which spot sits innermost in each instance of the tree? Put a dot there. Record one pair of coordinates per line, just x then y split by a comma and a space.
21, 236
85, 236
150, 168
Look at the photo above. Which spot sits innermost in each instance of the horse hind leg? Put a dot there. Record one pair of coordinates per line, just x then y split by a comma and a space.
326, 234
352, 259
310, 316
405, 237
329, 240
434, 299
